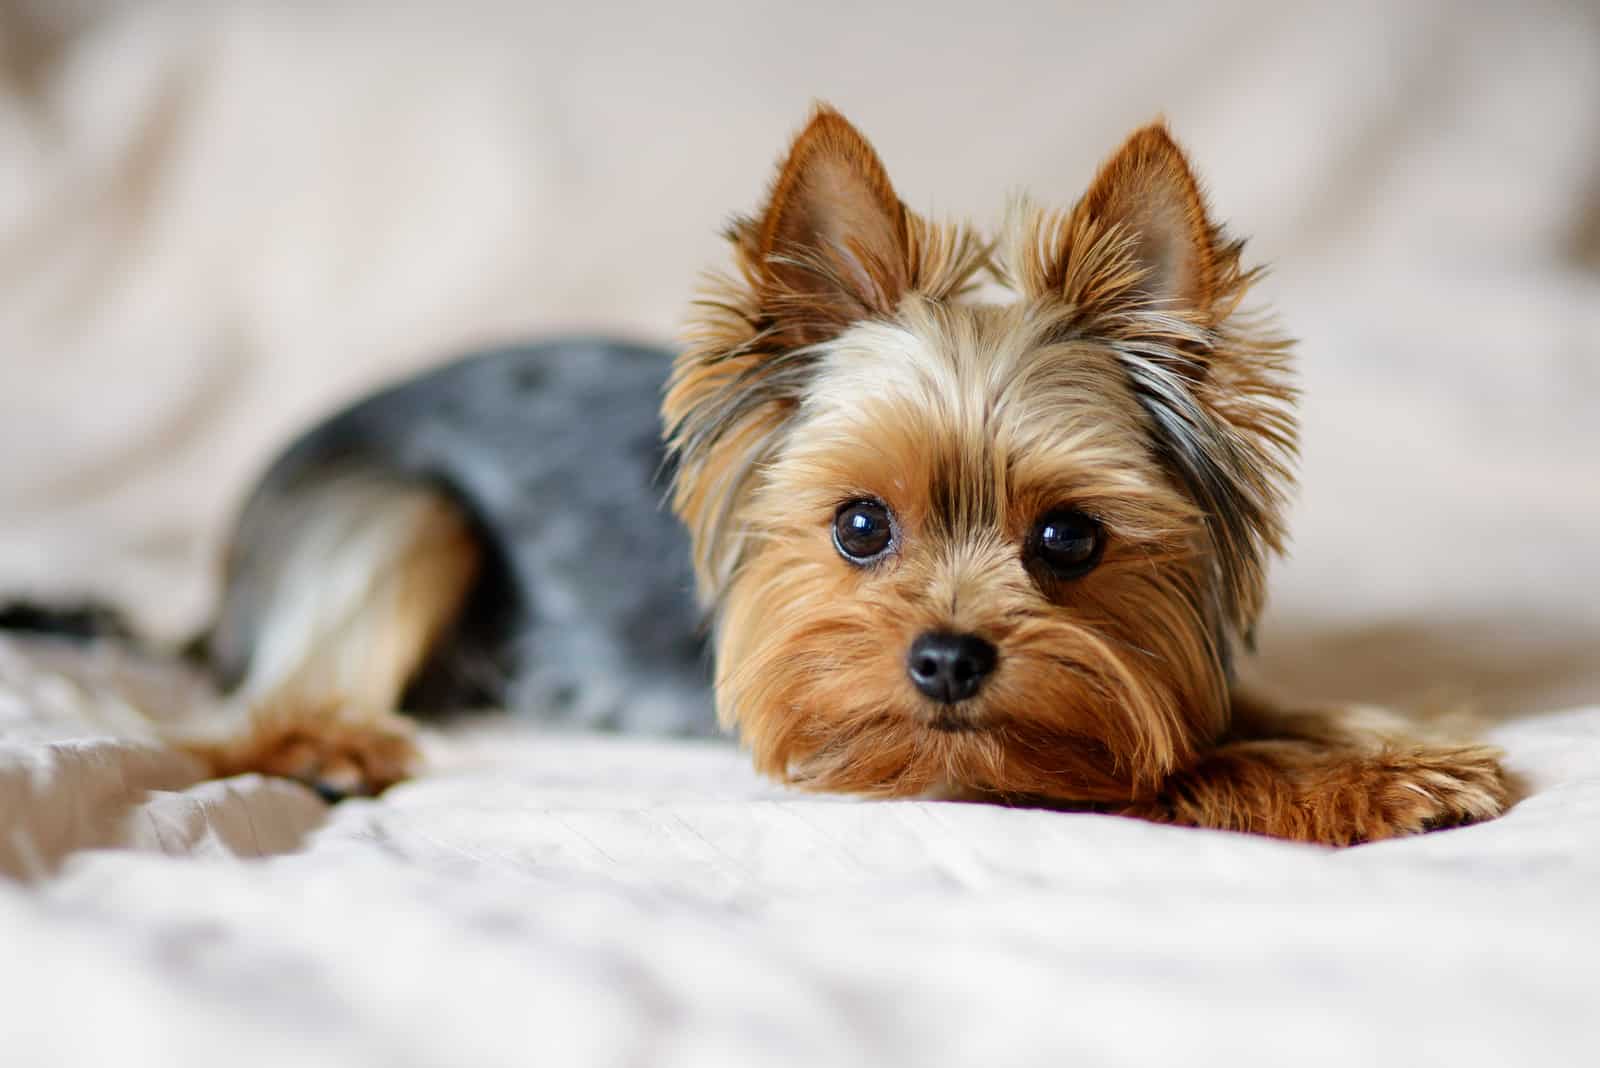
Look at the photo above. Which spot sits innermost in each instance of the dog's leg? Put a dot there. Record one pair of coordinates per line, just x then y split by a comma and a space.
1337, 777
336, 593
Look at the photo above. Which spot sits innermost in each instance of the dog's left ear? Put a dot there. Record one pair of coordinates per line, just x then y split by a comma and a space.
1139, 237
1148, 190
832, 244
1137, 264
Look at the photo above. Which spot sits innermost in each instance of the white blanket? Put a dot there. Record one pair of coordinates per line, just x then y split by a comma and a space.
217, 221
548, 900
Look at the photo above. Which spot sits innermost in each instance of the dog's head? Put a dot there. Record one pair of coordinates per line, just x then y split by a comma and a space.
1004, 547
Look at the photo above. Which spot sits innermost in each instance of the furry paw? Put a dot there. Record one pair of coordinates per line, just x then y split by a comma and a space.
1333, 794
1430, 788
337, 751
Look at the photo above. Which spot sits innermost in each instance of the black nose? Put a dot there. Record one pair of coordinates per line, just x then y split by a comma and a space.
949, 667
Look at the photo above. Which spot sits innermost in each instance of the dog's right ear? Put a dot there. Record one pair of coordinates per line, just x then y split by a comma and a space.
833, 244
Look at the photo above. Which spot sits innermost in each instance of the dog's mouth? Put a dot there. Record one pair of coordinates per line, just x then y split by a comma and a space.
952, 719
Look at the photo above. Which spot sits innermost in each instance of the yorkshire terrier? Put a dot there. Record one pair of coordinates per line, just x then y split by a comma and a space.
949, 547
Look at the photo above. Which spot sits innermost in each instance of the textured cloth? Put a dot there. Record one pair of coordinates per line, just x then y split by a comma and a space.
549, 899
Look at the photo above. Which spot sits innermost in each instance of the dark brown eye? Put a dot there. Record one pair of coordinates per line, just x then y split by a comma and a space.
1066, 542
862, 530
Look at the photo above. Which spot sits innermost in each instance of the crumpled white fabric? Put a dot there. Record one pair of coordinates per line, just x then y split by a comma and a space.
543, 899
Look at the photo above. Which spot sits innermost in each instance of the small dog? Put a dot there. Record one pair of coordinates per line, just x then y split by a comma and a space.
950, 548
1009, 550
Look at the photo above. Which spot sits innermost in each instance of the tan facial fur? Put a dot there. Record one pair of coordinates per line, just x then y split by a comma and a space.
846, 360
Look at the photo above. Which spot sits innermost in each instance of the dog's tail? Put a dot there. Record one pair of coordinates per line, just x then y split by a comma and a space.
78, 620
340, 595
342, 588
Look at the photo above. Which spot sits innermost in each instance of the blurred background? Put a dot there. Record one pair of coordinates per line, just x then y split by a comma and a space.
217, 222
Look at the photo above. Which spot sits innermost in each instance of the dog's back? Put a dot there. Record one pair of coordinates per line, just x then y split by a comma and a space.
486, 534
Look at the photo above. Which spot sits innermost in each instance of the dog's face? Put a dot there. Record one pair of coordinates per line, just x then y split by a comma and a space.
958, 545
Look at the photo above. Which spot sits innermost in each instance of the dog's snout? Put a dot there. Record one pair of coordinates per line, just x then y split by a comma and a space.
950, 667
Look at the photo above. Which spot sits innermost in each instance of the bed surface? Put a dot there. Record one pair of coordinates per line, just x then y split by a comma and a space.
548, 899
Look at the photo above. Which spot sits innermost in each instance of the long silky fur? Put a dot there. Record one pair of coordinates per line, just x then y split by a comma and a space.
754, 337
1100, 702
1214, 381
844, 361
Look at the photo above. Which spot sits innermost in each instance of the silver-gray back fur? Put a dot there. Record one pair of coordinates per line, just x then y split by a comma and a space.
586, 612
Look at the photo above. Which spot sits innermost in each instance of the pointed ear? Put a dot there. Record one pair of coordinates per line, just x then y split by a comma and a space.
832, 245
1148, 190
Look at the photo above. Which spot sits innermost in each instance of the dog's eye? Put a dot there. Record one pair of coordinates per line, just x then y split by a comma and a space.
862, 530
1067, 542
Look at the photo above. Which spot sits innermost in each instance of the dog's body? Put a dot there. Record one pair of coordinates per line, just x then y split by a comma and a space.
950, 548
538, 467
488, 534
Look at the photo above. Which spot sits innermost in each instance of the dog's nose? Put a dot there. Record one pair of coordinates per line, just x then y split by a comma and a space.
949, 667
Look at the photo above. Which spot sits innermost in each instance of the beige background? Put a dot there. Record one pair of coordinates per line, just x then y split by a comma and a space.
216, 221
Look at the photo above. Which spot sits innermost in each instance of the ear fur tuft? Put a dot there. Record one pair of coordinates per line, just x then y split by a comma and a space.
832, 244
1148, 190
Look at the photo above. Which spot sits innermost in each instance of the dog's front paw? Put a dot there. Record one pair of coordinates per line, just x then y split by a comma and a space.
1333, 794
1429, 788
337, 751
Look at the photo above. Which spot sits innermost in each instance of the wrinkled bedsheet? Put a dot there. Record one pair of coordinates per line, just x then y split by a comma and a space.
548, 899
